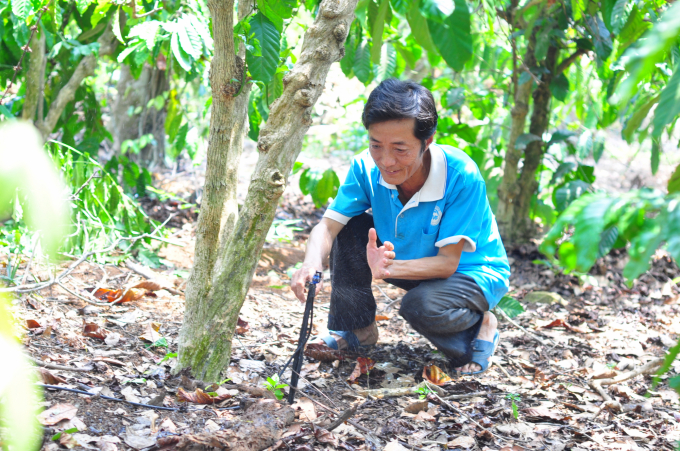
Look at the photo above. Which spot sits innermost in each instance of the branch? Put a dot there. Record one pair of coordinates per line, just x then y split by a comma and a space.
34, 77
85, 69
569, 60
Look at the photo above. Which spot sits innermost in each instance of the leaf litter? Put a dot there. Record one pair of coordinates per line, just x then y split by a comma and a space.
602, 328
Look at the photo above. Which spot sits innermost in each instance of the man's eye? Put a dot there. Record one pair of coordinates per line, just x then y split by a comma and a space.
402, 150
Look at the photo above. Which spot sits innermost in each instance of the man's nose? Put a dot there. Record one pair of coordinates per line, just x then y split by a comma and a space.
388, 160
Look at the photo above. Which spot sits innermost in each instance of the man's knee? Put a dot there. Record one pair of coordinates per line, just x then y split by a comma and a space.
413, 306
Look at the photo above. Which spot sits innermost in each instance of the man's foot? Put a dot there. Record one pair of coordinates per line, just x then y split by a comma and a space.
367, 336
486, 333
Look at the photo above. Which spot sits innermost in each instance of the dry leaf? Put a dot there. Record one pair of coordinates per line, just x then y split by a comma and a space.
326, 437
49, 378
322, 353
435, 375
363, 366
32, 324
242, 326
424, 416
540, 414
55, 414
108, 360
93, 330
606, 374
133, 294
151, 332
168, 426
463, 441
416, 406
381, 318
106, 295
306, 407
200, 397
149, 285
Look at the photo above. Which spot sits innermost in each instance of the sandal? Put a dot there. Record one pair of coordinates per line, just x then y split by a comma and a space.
482, 352
353, 343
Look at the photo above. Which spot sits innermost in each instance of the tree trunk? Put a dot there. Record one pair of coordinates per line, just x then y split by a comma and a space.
35, 76
212, 308
132, 93
533, 156
509, 189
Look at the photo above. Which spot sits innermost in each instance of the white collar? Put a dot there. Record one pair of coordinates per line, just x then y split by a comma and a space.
435, 185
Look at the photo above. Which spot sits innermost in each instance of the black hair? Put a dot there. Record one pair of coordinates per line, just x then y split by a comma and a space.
395, 99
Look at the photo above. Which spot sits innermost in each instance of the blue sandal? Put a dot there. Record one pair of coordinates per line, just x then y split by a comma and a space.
482, 351
350, 338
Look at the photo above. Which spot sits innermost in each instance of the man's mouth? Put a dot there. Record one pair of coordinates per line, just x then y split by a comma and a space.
391, 172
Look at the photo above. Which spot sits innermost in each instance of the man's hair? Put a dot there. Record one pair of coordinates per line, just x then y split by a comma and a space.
395, 99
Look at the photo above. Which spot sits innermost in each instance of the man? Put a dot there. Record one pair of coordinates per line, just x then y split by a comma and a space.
432, 233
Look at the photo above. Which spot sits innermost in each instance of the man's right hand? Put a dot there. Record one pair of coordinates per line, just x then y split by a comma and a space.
299, 281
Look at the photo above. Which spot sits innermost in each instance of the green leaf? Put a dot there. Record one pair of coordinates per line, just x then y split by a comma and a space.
569, 192
524, 139
642, 247
100, 11
631, 32
21, 8
277, 10
578, 7
129, 50
321, 185
362, 62
607, 240
116, 26
149, 258
588, 228
669, 103
455, 98
189, 39
262, 68
559, 87
146, 31
510, 306
620, 14
82, 5
58, 435
655, 156
377, 28
562, 170
560, 136
601, 38
453, 37
181, 57
635, 119
401, 6
388, 61
6, 112
436, 10
419, 29
674, 181
598, 148
585, 145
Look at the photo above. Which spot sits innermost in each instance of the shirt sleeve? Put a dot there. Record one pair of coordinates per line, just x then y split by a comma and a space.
463, 217
352, 198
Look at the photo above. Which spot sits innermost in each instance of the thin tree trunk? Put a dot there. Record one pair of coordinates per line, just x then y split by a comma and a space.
107, 44
509, 189
209, 322
533, 156
35, 75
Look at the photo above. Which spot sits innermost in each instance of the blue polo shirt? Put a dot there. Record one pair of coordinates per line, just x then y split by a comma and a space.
451, 206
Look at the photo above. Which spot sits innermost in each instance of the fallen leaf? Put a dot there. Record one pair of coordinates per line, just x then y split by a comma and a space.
363, 366
242, 326
106, 295
416, 407
200, 397
382, 318
306, 408
463, 441
108, 360
148, 285
133, 294
435, 375
326, 437
322, 353
540, 414
49, 378
112, 339
424, 416
57, 413
394, 445
555, 323
151, 332
93, 330
606, 374
168, 426
32, 324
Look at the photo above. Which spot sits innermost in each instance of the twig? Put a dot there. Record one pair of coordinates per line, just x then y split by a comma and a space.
344, 416
469, 395
53, 366
530, 334
83, 298
610, 403
30, 261
95, 174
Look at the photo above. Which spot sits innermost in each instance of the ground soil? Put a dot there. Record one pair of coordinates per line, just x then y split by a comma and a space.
587, 328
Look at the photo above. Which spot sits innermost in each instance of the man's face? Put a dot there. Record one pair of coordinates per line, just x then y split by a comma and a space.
395, 150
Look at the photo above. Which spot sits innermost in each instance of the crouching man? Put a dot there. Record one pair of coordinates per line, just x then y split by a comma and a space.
431, 232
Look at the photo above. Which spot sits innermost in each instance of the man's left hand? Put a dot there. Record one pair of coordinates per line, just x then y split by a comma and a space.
379, 258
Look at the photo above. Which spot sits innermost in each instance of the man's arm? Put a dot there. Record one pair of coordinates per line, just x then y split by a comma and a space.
318, 248
384, 266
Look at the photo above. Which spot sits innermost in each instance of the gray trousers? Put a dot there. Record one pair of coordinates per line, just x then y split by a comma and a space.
448, 312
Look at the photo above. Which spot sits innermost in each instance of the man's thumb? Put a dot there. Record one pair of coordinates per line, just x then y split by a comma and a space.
372, 237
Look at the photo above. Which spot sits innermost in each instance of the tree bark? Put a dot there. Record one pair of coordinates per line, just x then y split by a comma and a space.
210, 319
533, 156
34, 76
151, 83
107, 44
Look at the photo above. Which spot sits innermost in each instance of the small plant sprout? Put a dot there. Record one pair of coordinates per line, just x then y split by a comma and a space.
274, 385
423, 391
514, 397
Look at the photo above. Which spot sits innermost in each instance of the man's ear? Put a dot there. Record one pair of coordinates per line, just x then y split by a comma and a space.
427, 143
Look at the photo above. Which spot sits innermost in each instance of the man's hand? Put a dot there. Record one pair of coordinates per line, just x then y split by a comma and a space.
301, 277
379, 258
